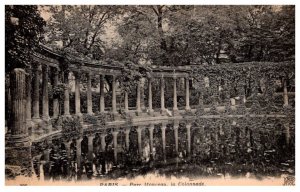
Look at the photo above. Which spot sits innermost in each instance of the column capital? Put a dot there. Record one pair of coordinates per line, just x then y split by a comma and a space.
151, 127
36, 67
67, 142
163, 126
91, 136
78, 140
188, 125
115, 133
139, 129
127, 130
176, 126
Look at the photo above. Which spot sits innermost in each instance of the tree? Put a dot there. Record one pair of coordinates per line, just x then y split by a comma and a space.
78, 29
23, 29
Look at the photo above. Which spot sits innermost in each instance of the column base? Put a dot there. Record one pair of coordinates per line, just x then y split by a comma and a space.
138, 112
188, 109
116, 116
19, 156
46, 118
151, 112
36, 120
18, 141
67, 115
163, 112
29, 123
175, 112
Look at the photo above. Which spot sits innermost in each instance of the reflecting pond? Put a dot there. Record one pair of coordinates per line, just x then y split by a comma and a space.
172, 149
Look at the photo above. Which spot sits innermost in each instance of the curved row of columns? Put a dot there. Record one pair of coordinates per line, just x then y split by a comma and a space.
45, 100
22, 84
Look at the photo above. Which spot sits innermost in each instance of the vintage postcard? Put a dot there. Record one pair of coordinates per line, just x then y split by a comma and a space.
149, 95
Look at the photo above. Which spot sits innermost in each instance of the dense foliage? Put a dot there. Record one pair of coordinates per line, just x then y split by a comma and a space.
23, 28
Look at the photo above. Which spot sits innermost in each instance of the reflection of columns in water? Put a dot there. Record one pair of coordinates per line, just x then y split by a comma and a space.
139, 132
127, 131
46, 154
188, 135
151, 128
163, 135
68, 148
285, 94
90, 147
287, 133
176, 125
103, 143
115, 141
78, 153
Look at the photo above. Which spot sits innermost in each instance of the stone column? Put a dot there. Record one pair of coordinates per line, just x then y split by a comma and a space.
19, 130
45, 93
139, 133
103, 143
89, 95
114, 96
151, 128
78, 154
90, 147
77, 93
188, 135
163, 135
55, 100
28, 98
285, 94
115, 141
102, 104
175, 108
150, 97
127, 132
176, 137
36, 94
66, 94
138, 98
162, 96
187, 94
126, 102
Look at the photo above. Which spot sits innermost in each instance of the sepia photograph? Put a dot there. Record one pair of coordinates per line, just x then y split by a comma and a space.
149, 95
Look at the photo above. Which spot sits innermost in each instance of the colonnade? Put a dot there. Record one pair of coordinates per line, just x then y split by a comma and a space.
34, 102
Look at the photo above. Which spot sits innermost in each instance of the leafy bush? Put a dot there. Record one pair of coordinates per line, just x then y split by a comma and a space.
71, 127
